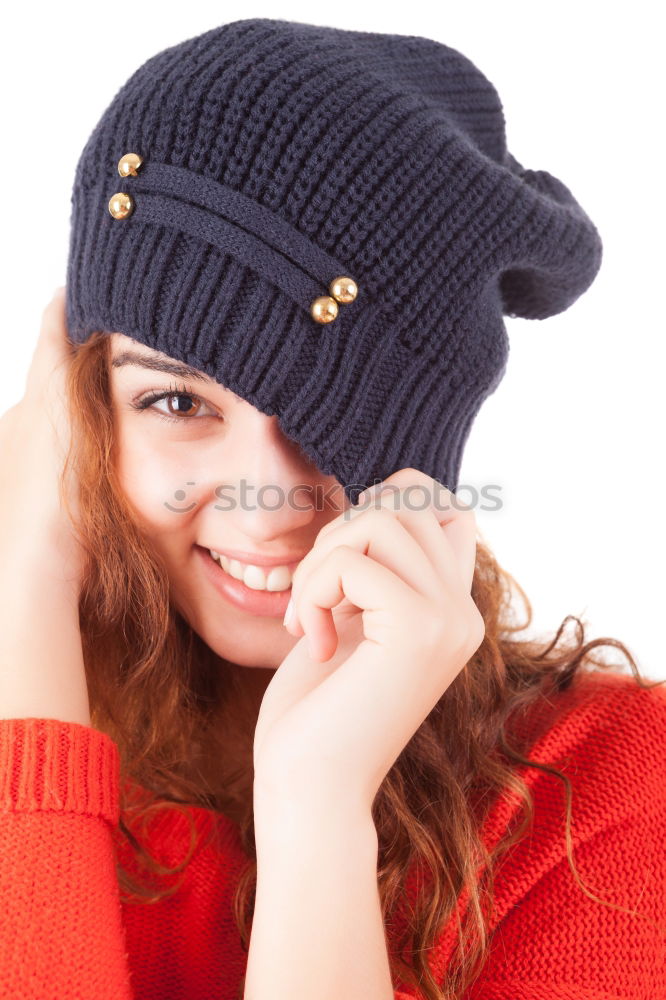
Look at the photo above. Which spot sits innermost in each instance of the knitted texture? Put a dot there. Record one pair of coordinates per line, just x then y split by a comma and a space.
65, 933
278, 156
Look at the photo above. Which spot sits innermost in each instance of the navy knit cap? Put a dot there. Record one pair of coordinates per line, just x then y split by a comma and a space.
272, 158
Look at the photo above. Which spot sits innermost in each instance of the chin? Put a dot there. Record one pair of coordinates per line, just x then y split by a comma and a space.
243, 652
233, 642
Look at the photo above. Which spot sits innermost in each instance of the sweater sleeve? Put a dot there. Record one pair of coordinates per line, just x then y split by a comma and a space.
61, 930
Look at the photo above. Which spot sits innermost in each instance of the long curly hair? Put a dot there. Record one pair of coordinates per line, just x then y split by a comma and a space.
161, 693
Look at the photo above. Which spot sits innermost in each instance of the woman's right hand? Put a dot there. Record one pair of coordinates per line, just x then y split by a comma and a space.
34, 438
42, 673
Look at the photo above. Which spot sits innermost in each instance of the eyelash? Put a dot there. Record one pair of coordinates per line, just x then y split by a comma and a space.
173, 390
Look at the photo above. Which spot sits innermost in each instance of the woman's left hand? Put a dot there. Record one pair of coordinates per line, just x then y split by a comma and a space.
384, 596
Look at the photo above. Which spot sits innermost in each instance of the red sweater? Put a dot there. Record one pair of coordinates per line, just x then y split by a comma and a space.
65, 935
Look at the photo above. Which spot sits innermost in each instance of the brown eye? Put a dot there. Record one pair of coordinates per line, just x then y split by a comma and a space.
175, 403
185, 405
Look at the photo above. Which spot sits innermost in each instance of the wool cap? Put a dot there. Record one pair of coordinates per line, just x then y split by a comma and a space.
327, 222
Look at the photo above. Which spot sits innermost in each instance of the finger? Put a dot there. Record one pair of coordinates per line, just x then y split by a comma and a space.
54, 318
444, 528
456, 519
417, 510
384, 537
388, 538
375, 690
331, 582
53, 349
461, 533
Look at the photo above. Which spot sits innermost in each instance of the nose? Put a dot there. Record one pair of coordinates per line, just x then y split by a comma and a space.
273, 482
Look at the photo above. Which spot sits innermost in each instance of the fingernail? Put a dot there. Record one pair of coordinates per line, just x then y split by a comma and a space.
288, 613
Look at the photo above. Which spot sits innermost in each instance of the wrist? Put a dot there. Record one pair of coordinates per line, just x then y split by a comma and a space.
48, 552
283, 821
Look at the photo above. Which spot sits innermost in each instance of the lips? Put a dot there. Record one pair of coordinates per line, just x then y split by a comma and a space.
291, 560
262, 603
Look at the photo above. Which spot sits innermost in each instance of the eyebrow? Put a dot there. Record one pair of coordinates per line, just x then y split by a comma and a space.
155, 364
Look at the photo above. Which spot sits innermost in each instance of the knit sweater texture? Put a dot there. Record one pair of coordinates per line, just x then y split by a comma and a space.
64, 932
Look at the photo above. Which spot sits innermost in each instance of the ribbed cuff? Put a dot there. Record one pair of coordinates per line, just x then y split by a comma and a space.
46, 764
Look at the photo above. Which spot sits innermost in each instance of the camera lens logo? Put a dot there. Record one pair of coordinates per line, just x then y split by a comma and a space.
180, 495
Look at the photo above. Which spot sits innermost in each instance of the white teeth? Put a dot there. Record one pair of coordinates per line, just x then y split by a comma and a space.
234, 568
255, 577
279, 578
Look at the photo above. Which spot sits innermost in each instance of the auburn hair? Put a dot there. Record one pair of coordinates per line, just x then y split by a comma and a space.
160, 693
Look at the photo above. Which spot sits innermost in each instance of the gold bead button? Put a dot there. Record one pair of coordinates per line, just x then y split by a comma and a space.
343, 289
121, 205
129, 164
324, 309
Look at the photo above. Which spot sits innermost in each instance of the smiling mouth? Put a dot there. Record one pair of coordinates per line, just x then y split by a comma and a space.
252, 600
274, 579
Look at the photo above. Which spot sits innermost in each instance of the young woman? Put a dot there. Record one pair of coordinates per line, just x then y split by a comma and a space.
263, 736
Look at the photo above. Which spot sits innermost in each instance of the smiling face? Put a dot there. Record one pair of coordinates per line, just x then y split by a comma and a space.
204, 469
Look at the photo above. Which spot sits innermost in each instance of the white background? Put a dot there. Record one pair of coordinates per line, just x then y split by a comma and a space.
574, 433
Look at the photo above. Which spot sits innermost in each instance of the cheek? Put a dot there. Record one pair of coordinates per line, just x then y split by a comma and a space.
157, 480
